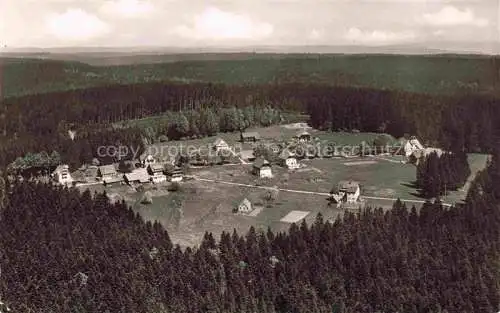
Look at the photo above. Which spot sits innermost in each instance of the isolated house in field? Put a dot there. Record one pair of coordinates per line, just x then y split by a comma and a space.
249, 137
346, 192
62, 176
245, 206
262, 168
156, 172
220, 145
288, 159
108, 174
303, 136
138, 176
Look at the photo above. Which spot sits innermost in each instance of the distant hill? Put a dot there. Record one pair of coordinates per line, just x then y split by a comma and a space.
37, 72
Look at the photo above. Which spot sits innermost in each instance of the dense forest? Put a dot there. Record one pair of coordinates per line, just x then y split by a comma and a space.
40, 122
436, 74
438, 174
69, 252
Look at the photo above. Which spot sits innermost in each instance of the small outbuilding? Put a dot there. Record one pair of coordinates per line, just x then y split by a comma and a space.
245, 206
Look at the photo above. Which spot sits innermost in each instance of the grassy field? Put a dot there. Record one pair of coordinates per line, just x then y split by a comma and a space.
443, 74
208, 206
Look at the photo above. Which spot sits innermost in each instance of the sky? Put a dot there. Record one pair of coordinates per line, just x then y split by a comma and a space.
192, 23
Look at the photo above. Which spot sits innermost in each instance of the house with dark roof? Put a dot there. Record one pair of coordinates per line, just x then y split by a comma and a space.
156, 172
108, 174
303, 136
262, 168
249, 136
346, 192
175, 174
288, 159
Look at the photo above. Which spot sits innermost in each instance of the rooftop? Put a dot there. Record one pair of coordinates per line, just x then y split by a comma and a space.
348, 186
107, 169
261, 162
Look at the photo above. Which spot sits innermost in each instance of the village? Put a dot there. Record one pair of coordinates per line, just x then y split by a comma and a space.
250, 178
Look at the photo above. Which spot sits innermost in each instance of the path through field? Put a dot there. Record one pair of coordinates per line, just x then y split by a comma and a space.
306, 192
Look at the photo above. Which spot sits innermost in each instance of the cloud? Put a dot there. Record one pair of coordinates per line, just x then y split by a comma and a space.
216, 24
76, 25
316, 34
127, 8
377, 36
451, 16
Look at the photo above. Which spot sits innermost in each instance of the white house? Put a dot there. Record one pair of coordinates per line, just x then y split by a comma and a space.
62, 176
288, 159
262, 168
411, 146
149, 159
346, 192
220, 144
245, 206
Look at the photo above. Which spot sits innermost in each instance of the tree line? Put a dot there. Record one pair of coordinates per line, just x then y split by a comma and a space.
35, 123
437, 174
89, 255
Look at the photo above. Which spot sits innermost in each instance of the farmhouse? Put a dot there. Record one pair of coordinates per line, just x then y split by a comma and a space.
346, 192
249, 137
62, 176
220, 144
288, 159
175, 175
137, 176
245, 206
303, 136
108, 174
156, 172
262, 168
